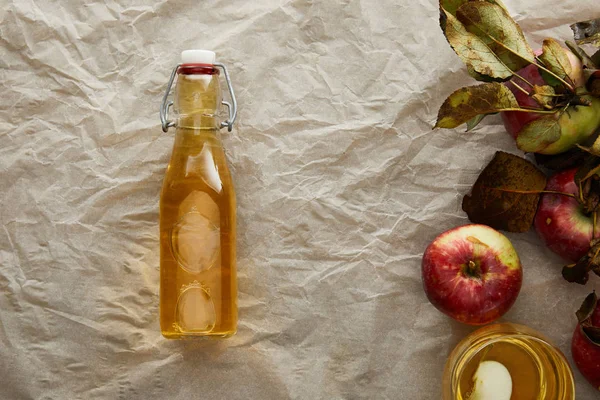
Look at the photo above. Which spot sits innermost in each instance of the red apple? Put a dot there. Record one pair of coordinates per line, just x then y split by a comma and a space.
560, 220
472, 273
577, 124
585, 350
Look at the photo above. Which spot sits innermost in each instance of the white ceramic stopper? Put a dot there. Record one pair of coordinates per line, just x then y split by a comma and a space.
197, 57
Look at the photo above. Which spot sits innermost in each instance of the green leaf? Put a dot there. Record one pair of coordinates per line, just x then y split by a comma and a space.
473, 122
550, 79
472, 50
481, 78
469, 102
544, 95
496, 28
506, 194
587, 308
452, 5
539, 134
587, 32
555, 59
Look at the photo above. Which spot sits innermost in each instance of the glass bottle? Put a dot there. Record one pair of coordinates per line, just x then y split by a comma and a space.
198, 289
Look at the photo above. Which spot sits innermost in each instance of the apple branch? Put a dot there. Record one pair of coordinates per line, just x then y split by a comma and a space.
532, 110
530, 191
520, 88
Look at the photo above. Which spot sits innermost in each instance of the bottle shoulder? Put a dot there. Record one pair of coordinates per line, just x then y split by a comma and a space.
187, 173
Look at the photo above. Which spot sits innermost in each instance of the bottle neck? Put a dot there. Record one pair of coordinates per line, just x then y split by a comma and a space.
197, 101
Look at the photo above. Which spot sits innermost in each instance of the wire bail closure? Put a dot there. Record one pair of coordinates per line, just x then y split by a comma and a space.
167, 104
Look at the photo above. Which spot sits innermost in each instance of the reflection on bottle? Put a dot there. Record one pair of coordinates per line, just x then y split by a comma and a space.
195, 242
196, 237
203, 165
195, 310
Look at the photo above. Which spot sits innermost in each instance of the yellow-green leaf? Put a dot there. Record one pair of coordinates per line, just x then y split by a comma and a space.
452, 5
539, 134
472, 50
555, 59
469, 102
473, 122
496, 28
544, 95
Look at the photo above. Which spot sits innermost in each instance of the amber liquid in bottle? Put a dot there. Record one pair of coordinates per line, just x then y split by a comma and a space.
198, 289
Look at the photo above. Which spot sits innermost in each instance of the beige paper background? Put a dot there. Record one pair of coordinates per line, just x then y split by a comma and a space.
341, 184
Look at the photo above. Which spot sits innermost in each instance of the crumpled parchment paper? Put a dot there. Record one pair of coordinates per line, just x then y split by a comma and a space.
341, 185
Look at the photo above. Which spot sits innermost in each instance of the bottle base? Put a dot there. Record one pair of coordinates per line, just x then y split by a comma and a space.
192, 336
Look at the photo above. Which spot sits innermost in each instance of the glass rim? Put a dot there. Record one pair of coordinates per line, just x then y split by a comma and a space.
458, 359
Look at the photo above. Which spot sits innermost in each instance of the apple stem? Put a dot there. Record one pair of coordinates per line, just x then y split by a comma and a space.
520, 88
531, 110
580, 101
523, 79
561, 193
472, 269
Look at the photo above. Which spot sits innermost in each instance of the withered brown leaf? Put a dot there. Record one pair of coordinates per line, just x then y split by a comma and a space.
506, 194
587, 32
588, 307
584, 317
544, 96
580, 272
